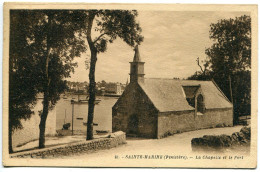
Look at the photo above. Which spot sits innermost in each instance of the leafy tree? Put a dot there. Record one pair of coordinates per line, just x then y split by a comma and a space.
231, 51
109, 24
103, 83
229, 61
22, 81
54, 38
60, 40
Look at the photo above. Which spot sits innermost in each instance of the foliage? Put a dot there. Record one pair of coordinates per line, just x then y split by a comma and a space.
22, 81
109, 25
43, 44
116, 23
61, 41
229, 59
64, 44
231, 51
51, 40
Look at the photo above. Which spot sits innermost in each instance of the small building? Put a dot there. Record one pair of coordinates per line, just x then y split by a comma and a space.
113, 88
155, 108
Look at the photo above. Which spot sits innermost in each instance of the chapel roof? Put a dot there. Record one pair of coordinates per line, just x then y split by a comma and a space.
168, 94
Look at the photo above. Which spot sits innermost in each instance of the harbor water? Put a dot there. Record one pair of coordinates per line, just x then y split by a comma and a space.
102, 113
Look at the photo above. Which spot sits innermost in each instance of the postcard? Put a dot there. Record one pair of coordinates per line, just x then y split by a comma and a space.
130, 85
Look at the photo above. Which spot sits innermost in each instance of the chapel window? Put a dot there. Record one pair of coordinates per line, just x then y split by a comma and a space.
200, 104
191, 101
189, 93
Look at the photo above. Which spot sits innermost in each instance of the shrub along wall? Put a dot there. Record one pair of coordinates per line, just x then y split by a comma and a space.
222, 141
113, 140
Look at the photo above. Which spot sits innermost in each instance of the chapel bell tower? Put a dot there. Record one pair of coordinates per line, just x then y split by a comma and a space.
137, 68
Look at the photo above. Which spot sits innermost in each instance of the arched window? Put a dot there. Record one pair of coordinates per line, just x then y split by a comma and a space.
200, 104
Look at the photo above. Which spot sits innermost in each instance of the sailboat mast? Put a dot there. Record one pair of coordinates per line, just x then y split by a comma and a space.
65, 117
78, 94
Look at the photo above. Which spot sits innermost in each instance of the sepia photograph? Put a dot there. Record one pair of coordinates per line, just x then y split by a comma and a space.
130, 85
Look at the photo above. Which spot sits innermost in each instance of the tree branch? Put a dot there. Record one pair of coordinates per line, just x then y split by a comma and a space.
198, 60
98, 38
90, 23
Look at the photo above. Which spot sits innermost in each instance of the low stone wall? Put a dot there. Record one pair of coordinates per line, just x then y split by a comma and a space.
222, 141
113, 140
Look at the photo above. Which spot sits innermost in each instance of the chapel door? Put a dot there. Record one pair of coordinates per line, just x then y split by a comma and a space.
133, 124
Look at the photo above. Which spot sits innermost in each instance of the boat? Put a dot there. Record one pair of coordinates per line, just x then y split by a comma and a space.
40, 96
102, 131
65, 97
112, 95
94, 124
84, 101
66, 126
97, 101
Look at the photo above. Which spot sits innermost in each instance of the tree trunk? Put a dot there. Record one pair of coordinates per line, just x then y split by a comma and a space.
44, 115
92, 83
10, 139
92, 95
45, 111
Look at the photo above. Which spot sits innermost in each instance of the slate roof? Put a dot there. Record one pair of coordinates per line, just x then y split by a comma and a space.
168, 94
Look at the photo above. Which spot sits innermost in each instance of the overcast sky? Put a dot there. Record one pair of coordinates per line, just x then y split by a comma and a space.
172, 42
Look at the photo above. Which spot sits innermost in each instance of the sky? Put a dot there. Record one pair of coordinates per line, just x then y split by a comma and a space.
172, 42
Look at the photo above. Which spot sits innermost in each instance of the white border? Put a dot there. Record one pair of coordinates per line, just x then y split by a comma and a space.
113, 1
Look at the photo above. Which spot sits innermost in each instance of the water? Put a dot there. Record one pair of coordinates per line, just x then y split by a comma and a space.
102, 113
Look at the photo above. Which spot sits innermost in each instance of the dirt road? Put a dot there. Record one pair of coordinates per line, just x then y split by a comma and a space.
178, 144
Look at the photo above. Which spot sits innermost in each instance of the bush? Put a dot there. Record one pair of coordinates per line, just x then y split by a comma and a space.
222, 141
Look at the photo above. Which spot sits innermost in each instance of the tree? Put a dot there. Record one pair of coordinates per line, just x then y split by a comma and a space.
204, 73
60, 40
22, 81
231, 51
229, 61
53, 39
110, 24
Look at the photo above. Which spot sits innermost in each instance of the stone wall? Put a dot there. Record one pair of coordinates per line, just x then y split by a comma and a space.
30, 129
175, 122
123, 107
135, 102
113, 140
215, 117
